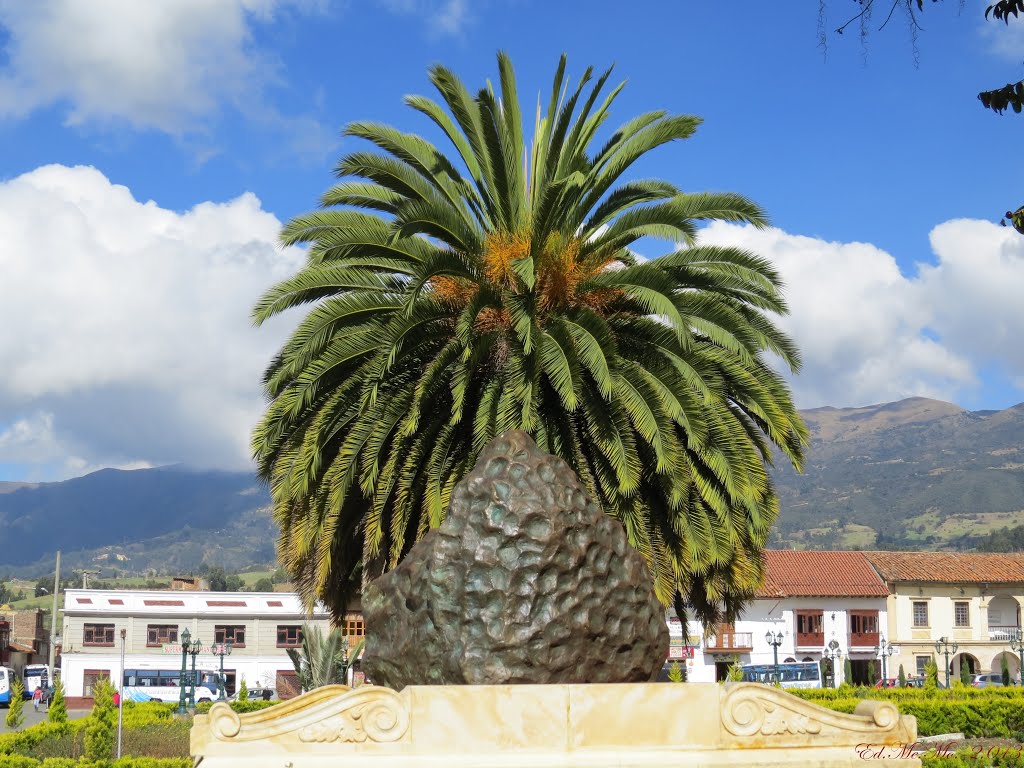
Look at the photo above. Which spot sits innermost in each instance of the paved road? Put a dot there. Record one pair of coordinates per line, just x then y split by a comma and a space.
32, 717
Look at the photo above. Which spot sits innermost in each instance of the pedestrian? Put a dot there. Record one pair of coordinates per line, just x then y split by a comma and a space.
117, 699
37, 697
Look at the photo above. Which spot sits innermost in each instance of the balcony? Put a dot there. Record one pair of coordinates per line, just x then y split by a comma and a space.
810, 639
731, 641
1002, 634
864, 639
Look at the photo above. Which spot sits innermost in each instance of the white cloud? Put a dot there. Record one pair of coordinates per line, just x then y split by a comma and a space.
444, 17
128, 335
870, 334
169, 65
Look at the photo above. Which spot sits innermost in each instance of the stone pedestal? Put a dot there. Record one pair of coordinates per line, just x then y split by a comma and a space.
647, 725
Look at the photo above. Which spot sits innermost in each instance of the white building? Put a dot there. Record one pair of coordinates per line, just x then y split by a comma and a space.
261, 626
811, 598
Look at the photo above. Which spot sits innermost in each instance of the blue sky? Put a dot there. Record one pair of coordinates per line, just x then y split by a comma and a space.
151, 151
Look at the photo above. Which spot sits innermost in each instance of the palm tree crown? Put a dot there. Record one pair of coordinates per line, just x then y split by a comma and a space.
455, 298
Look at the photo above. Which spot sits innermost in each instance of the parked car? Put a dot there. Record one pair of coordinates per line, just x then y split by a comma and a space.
889, 682
985, 681
258, 694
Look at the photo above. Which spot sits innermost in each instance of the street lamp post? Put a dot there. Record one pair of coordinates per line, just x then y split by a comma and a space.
186, 636
945, 648
223, 649
884, 649
774, 639
193, 652
1017, 644
833, 653
120, 697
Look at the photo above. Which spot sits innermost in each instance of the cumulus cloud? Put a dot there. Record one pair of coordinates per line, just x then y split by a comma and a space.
128, 340
169, 65
444, 17
869, 333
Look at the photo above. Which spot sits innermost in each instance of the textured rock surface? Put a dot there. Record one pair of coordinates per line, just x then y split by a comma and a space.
526, 581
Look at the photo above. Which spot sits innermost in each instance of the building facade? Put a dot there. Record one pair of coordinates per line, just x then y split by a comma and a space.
261, 626
809, 599
972, 600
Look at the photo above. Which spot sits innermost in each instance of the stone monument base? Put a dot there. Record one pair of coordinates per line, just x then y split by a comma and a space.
649, 725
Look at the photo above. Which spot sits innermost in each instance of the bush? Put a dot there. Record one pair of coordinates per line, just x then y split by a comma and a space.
243, 691
102, 723
20, 761
57, 711
977, 713
241, 707
15, 715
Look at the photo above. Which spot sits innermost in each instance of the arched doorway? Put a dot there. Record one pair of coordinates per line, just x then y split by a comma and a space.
963, 660
1012, 664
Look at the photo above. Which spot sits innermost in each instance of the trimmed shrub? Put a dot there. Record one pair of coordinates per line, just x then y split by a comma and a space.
241, 707
58, 711
15, 715
101, 730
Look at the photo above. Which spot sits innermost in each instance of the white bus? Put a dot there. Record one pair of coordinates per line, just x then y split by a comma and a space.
800, 674
35, 676
7, 679
163, 685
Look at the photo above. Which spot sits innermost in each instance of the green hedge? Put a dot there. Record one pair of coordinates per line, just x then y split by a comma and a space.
20, 761
977, 713
973, 759
241, 707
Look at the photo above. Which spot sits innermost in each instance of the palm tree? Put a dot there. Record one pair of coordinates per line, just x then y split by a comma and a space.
323, 659
457, 297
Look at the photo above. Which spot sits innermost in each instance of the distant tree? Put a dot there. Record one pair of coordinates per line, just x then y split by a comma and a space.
44, 587
675, 672
243, 690
903, 677
263, 585
1003, 540
5, 594
280, 576
965, 671
57, 711
218, 579
15, 715
872, 672
1005, 671
234, 583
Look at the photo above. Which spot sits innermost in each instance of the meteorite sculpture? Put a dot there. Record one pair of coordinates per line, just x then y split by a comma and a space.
527, 580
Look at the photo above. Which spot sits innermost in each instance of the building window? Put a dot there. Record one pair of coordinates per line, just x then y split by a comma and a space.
98, 634
962, 615
810, 623
234, 634
354, 626
922, 662
92, 676
920, 614
864, 623
289, 636
161, 634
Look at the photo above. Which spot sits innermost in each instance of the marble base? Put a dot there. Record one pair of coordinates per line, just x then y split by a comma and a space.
647, 725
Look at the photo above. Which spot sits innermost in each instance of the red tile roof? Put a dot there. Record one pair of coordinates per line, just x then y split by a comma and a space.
948, 567
812, 573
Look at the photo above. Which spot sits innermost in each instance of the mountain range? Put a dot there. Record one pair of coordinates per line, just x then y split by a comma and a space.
914, 474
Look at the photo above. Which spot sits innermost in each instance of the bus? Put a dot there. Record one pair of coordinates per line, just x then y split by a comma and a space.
7, 679
35, 676
799, 674
163, 685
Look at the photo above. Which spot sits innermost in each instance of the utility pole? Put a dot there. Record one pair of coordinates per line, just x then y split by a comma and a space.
53, 619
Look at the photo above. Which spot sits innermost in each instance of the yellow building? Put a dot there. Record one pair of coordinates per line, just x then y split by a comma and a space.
970, 600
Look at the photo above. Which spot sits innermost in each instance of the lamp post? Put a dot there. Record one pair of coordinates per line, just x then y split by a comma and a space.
774, 639
1017, 644
186, 636
193, 652
834, 653
945, 648
884, 649
120, 697
222, 650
